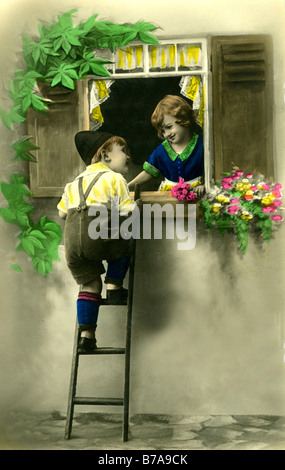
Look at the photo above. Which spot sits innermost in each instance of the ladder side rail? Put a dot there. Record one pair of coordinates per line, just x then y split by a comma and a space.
72, 386
128, 333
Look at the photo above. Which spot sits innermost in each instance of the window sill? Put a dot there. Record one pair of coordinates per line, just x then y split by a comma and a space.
164, 197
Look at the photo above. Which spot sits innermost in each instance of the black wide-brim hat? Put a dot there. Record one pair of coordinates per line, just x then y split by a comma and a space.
88, 142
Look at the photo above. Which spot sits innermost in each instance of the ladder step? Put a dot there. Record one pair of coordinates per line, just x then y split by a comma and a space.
104, 301
105, 351
98, 401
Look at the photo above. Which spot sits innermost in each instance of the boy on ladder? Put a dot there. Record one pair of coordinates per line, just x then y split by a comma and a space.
99, 185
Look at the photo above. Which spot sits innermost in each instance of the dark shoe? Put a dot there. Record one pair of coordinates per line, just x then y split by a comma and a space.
117, 296
86, 345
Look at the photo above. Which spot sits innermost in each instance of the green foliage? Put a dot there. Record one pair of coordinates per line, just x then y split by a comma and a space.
242, 231
22, 148
16, 268
224, 223
40, 241
61, 55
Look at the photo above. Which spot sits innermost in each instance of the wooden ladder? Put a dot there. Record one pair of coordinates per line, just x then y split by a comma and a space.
73, 399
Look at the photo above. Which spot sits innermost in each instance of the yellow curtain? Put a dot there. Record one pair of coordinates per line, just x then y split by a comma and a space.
189, 56
162, 57
193, 88
99, 92
129, 58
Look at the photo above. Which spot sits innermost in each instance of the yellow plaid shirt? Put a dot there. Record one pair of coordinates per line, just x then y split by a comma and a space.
111, 185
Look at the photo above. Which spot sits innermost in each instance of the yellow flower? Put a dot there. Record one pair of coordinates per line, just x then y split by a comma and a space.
195, 184
222, 199
267, 201
243, 187
246, 216
166, 187
215, 208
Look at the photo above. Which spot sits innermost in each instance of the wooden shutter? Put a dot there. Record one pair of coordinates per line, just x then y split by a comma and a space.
57, 160
242, 104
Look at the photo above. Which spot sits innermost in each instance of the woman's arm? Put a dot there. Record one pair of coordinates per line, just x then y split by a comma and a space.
140, 179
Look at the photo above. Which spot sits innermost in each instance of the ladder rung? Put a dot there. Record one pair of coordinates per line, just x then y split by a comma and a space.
105, 351
98, 401
105, 302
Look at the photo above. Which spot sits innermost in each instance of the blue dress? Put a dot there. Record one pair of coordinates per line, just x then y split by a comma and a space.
188, 165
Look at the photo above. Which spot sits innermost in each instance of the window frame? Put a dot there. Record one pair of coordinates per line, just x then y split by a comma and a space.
204, 72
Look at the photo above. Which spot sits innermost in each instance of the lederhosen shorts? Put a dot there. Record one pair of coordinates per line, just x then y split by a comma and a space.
84, 255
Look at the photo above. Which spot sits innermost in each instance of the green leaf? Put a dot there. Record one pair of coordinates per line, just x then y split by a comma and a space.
72, 39
8, 215
17, 178
56, 80
41, 268
128, 38
99, 70
17, 114
38, 234
36, 242
6, 118
27, 246
38, 103
148, 38
84, 69
22, 148
25, 208
242, 230
16, 268
67, 82
23, 220
145, 26
265, 225
89, 24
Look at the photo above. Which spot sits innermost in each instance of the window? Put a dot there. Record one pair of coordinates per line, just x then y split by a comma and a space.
141, 75
229, 75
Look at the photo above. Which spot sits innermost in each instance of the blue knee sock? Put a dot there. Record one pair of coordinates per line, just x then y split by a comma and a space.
88, 308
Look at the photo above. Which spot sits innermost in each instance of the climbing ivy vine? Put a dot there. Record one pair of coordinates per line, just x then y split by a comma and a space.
61, 55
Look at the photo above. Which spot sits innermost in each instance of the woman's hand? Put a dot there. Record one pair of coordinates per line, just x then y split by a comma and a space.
199, 190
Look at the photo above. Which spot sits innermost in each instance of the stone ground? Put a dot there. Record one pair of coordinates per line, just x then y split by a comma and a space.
102, 431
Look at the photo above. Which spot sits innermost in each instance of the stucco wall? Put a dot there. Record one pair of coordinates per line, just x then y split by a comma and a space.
208, 327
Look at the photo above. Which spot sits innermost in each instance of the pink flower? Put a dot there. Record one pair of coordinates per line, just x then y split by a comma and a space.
226, 182
254, 188
226, 185
191, 196
249, 175
232, 209
276, 193
277, 203
239, 173
181, 191
234, 201
276, 218
278, 186
266, 209
266, 187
